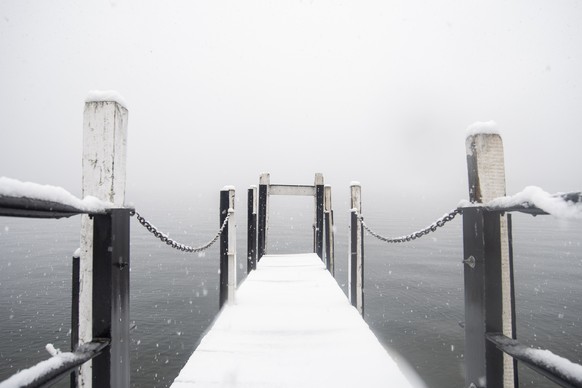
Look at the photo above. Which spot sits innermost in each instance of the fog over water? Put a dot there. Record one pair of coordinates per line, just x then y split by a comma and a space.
379, 92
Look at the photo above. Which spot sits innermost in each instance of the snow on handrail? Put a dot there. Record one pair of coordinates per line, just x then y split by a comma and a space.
534, 200
28, 199
55, 368
558, 369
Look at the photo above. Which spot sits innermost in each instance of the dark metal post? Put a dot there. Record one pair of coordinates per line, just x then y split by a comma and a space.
318, 232
329, 232
252, 229
263, 217
356, 258
111, 297
75, 314
223, 290
483, 297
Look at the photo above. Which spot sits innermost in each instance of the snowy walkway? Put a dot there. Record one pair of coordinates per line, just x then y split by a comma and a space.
291, 326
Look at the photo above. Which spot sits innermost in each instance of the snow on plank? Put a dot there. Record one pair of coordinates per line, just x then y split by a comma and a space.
290, 326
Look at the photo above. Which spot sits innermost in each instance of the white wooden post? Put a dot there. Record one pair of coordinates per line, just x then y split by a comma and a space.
104, 170
356, 258
486, 169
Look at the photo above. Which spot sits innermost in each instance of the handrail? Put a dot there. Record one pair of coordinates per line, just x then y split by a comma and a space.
529, 206
50, 371
549, 365
36, 208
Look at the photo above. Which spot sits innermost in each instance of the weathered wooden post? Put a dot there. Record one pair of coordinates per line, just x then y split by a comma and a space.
329, 232
356, 262
104, 166
488, 270
252, 229
227, 247
318, 231
264, 183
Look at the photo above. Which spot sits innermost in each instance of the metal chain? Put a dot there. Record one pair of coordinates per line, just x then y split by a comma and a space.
413, 236
174, 244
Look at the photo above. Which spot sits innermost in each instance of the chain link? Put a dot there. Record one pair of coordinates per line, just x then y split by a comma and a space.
413, 236
174, 244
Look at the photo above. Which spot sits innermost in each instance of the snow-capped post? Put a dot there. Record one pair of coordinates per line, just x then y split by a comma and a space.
356, 262
329, 233
252, 229
318, 229
488, 269
264, 183
227, 247
104, 165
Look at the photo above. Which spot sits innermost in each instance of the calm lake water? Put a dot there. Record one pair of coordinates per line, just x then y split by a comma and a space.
413, 293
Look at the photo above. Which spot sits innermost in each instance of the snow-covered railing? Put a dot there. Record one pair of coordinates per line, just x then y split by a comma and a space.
535, 201
54, 369
110, 330
28, 199
110, 281
558, 369
488, 269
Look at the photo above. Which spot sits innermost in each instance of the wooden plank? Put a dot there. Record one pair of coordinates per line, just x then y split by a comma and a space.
291, 326
304, 190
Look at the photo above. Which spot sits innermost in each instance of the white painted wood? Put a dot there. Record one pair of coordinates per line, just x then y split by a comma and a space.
318, 178
231, 282
104, 171
327, 199
255, 199
265, 179
304, 190
291, 326
486, 157
356, 203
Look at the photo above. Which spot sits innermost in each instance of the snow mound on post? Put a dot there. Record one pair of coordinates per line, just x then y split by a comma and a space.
106, 96
14, 188
480, 127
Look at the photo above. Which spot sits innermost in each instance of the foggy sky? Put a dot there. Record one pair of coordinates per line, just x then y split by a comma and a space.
218, 92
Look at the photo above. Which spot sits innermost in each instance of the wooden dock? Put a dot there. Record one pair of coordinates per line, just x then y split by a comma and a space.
290, 326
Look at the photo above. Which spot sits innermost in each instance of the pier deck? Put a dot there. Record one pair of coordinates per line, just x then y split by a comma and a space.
290, 326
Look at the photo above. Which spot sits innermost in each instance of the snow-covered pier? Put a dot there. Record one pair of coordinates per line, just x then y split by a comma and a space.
290, 325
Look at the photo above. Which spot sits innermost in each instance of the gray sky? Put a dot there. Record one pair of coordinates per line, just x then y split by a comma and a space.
379, 92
